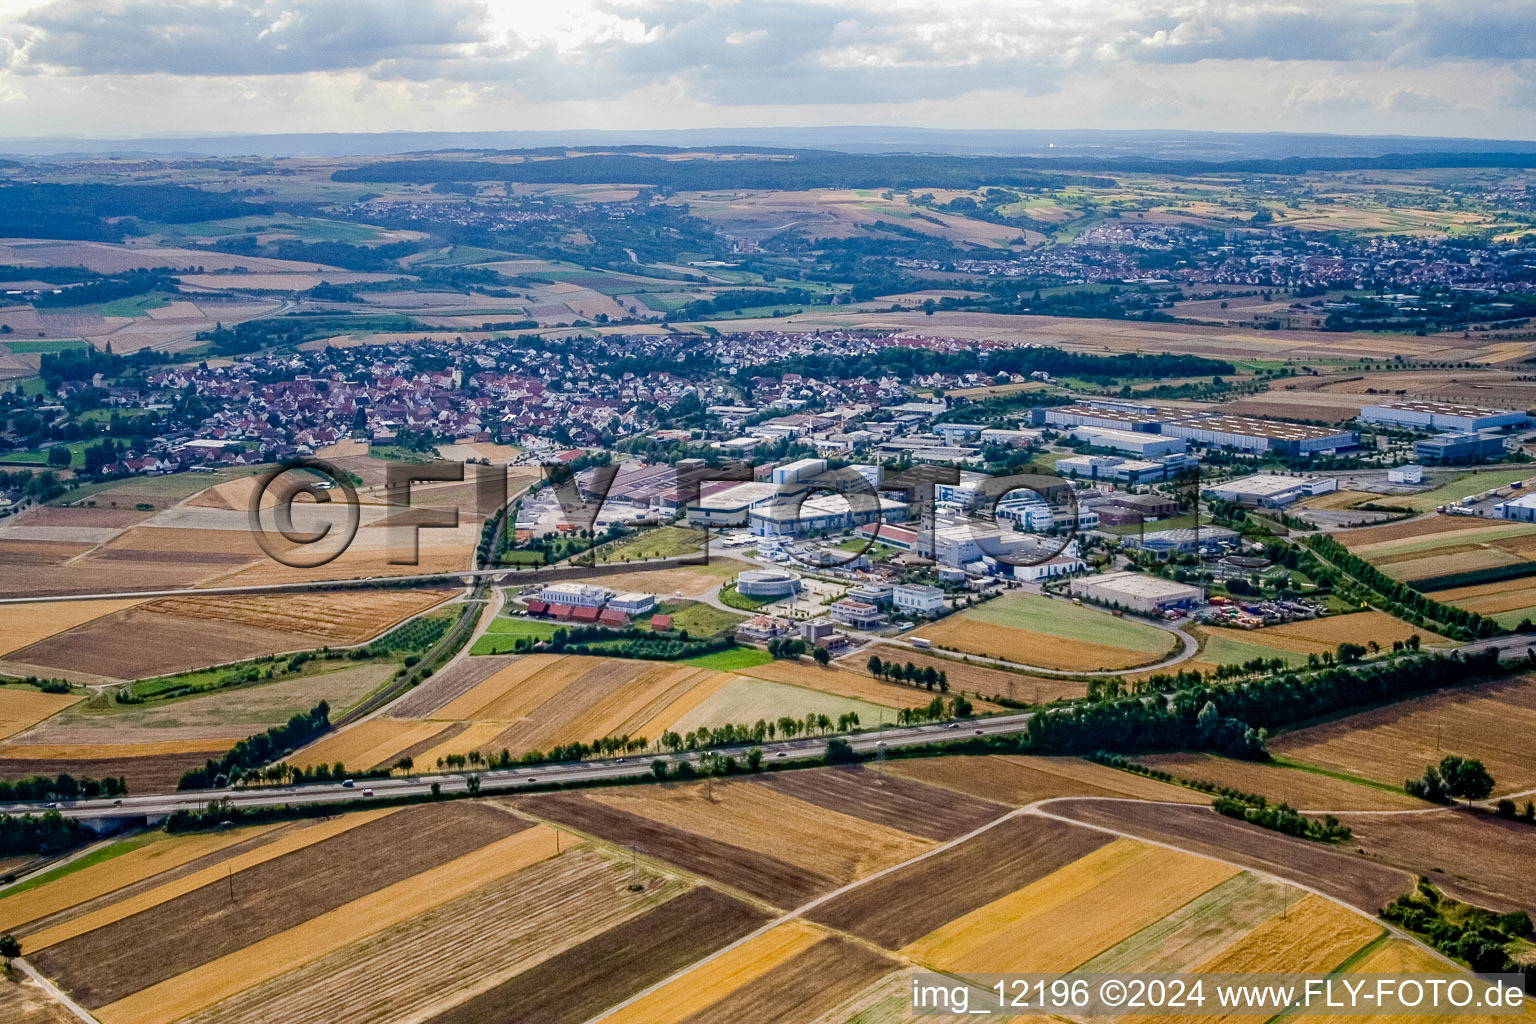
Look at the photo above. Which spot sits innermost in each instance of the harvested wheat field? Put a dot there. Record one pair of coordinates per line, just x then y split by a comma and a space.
144, 773
22, 625
799, 990
766, 876
710, 982
1490, 721
1363, 884
22, 708
830, 843
119, 961
903, 906
330, 931
1402, 956
345, 618
1198, 930
979, 679
1073, 914
1019, 780
1312, 936
366, 744
585, 979
846, 682
1303, 790
451, 952
1315, 636
274, 844
898, 803
142, 860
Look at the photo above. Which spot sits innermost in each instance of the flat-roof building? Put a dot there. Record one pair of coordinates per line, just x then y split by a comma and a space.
1420, 415
1131, 442
575, 595
1108, 415
1252, 434
1270, 490
1459, 447
918, 598
1521, 509
1137, 592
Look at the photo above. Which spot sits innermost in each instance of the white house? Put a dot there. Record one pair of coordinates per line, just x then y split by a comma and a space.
918, 598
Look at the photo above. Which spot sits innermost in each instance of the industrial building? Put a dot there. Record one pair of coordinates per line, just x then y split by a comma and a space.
1417, 415
1111, 467
1143, 445
1405, 475
1270, 490
918, 599
1184, 541
1109, 415
633, 603
1251, 434
578, 595
1521, 509
1459, 448
767, 583
857, 614
791, 515
1137, 592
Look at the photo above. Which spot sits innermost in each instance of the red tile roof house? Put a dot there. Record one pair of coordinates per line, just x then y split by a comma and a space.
584, 614
661, 623
538, 608
613, 619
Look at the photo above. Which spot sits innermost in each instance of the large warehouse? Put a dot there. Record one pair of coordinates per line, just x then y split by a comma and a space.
1270, 490
1251, 434
1137, 592
1133, 442
1109, 415
1442, 416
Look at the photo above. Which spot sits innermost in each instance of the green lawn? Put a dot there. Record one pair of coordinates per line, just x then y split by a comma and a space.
1071, 622
736, 599
1223, 649
699, 619
504, 625
1465, 484
733, 660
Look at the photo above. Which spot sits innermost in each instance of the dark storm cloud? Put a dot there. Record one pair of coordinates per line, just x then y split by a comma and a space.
189, 38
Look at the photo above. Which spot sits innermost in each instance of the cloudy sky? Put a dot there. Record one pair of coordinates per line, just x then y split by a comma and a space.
120, 68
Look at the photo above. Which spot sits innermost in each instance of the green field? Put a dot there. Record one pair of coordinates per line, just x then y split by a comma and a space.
1222, 649
1071, 622
26, 347
661, 542
733, 660
90, 860
138, 305
504, 632
1464, 485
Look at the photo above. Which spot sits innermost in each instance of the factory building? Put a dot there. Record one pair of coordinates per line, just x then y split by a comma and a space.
1442, 416
1270, 490
1521, 509
1142, 445
1459, 448
1137, 592
1108, 415
1251, 434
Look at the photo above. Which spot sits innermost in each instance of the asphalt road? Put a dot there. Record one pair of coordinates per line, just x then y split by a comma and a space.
511, 779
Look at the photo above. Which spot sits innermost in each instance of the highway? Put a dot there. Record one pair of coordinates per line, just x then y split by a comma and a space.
512, 779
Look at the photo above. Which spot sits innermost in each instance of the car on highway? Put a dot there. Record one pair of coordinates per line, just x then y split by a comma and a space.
347, 784
367, 792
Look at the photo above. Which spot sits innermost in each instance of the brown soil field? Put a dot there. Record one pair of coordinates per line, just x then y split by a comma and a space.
22, 625
907, 904
263, 844
37, 552
1491, 598
348, 618
449, 953
758, 874
152, 773
452, 682
1358, 882
988, 639
332, 930
359, 560
890, 801
980, 679
1316, 636
136, 643
828, 843
1423, 526
23, 1001
1017, 781
583, 980
1490, 721
1476, 857
799, 990
1303, 790
112, 962
22, 708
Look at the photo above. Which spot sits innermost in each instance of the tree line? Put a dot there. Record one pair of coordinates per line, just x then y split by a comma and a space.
1404, 601
252, 754
62, 787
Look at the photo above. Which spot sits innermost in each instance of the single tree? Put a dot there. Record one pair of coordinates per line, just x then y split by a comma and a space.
10, 948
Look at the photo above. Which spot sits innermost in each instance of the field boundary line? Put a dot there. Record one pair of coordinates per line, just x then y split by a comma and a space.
55, 992
804, 908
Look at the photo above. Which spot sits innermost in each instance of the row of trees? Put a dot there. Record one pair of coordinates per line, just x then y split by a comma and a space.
925, 676
62, 787
47, 834
251, 755
1281, 818
1455, 778
934, 711
1402, 600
